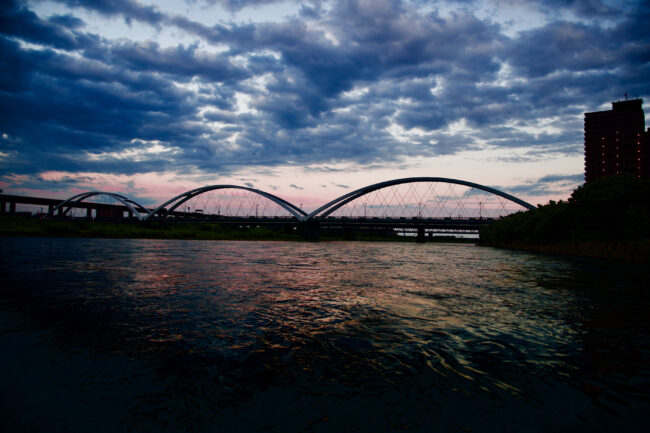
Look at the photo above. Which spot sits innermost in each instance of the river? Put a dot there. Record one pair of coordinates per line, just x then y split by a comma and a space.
110, 335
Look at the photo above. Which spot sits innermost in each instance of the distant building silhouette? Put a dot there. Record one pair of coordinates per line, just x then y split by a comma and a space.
616, 141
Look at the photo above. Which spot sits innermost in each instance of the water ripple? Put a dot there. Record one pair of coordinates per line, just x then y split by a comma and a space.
421, 335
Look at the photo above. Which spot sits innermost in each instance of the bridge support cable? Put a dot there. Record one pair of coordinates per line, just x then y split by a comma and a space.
329, 208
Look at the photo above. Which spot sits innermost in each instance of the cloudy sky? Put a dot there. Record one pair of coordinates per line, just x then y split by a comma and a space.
307, 99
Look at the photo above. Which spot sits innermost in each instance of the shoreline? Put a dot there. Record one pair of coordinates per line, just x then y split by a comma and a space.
27, 227
629, 251
638, 252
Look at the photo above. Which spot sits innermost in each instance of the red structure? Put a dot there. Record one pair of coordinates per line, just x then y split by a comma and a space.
616, 141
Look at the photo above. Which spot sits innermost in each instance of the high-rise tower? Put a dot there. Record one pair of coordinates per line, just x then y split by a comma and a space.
616, 141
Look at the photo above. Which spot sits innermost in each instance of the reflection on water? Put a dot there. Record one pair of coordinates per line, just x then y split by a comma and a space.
137, 335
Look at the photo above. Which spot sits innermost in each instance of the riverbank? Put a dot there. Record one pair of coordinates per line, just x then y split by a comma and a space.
628, 251
608, 218
15, 226
31, 227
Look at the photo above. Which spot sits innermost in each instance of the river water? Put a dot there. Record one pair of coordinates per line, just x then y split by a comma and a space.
169, 335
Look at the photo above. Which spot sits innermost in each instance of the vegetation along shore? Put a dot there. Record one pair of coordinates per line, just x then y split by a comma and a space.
606, 218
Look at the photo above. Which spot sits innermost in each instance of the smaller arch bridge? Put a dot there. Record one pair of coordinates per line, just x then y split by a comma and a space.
251, 202
80, 201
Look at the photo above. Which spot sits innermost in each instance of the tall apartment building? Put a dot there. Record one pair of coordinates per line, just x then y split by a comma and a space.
616, 141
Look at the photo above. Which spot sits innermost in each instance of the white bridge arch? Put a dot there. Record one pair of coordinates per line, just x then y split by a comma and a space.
332, 206
177, 201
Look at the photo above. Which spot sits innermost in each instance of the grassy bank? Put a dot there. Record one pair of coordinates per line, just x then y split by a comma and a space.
25, 226
607, 218
629, 251
20, 226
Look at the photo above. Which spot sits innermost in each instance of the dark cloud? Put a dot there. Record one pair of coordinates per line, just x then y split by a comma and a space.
128, 9
563, 46
587, 8
235, 5
562, 178
362, 82
312, 11
182, 63
59, 31
63, 184
340, 186
296, 187
562, 184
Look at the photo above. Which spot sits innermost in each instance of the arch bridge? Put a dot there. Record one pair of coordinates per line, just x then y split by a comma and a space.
228, 201
104, 204
417, 205
421, 206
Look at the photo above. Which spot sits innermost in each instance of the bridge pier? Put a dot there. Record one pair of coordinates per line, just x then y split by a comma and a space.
310, 230
421, 238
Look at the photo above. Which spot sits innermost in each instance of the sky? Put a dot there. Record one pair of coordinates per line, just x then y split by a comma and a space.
308, 100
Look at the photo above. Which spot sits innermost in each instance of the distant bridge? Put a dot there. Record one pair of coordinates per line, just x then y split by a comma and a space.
416, 205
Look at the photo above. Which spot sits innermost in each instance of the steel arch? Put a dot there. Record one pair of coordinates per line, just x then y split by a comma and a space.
346, 198
182, 198
130, 204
